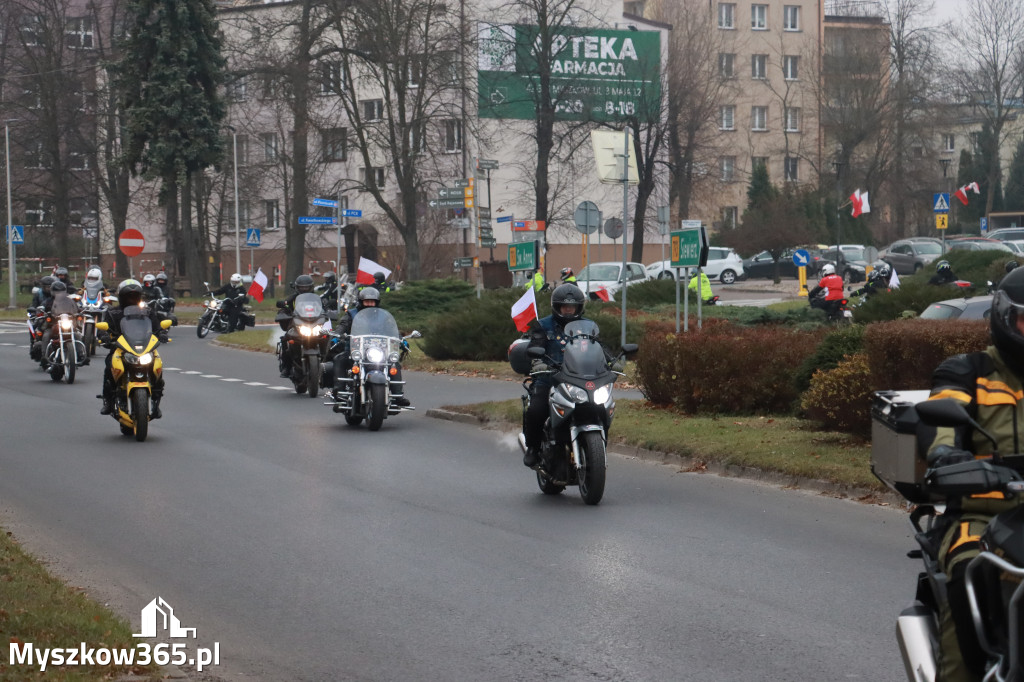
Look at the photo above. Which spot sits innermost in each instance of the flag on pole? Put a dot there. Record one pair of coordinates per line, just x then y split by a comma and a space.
259, 284
894, 280
860, 203
961, 193
524, 310
603, 294
367, 269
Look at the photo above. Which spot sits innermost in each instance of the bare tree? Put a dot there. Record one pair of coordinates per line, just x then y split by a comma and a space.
990, 75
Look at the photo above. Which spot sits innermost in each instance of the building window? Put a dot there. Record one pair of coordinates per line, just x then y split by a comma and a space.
31, 30
240, 145
727, 117
453, 135
759, 66
917, 151
243, 213
759, 17
756, 161
373, 177
330, 78
237, 89
948, 142
35, 155
373, 110
792, 170
79, 33
78, 158
791, 18
414, 71
726, 15
759, 118
272, 213
726, 168
38, 212
726, 65
417, 137
975, 141
32, 96
791, 67
729, 215
335, 144
792, 119
269, 147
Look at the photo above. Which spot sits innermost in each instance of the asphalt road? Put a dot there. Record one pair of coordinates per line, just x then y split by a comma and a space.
313, 551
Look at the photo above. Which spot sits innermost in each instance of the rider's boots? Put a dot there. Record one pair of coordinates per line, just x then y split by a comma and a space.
154, 409
108, 401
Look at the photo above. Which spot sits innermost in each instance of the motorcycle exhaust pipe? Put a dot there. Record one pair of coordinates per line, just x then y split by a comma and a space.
915, 632
522, 442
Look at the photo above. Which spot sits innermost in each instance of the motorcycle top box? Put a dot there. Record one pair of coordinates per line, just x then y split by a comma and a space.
895, 459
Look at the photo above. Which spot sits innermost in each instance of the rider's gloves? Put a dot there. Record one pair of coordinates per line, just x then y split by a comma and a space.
162, 336
538, 365
944, 455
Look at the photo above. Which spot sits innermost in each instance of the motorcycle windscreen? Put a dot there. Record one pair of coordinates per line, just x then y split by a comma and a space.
584, 358
374, 322
63, 304
309, 307
136, 328
92, 292
581, 328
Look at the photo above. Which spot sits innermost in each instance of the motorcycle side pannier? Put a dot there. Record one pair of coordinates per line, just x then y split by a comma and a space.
895, 457
517, 357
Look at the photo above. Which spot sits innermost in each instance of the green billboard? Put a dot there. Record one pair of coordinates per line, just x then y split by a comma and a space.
596, 74
522, 256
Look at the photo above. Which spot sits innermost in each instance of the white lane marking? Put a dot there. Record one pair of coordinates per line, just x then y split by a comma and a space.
172, 369
210, 376
232, 379
280, 388
8, 344
255, 383
192, 371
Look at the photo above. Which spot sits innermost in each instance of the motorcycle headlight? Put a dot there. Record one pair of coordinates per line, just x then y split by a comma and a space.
305, 330
393, 358
575, 393
65, 323
602, 394
356, 356
143, 359
375, 355
317, 330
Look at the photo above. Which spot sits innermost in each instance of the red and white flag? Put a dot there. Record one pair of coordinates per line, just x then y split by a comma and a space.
259, 283
894, 280
367, 269
524, 311
603, 294
860, 203
961, 193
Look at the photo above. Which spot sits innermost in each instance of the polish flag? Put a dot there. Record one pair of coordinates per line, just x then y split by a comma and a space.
961, 193
603, 294
894, 280
259, 283
860, 203
524, 311
367, 269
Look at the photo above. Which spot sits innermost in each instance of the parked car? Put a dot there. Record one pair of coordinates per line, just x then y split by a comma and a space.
608, 276
974, 308
855, 262
1016, 244
976, 244
907, 256
723, 264
762, 265
1004, 233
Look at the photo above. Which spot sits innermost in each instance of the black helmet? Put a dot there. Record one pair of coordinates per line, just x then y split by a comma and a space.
567, 294
378, 277
566, 273
129, 292
58, 287
161, 278
45, 282
942, 266
884, 271
369, 294
61, 274
1007, 307
1012, 265
303, 284
876, 276
329, 276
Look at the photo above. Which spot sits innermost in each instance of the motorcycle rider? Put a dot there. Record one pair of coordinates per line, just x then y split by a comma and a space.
368, 298
329, 292
567, 305
989, 383
536, 281
41, 293
568, 276
129, 293
167, 303
303, 285
832, 286
379, 284
93, 286
877, 282
943, 274
55, 304
150, 290
706, 294
61, 273
234, 298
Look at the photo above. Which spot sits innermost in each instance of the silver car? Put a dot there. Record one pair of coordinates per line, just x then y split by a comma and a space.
907, 256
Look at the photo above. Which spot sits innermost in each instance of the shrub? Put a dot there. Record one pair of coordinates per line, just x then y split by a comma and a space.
903, 354
417, 301
837, 344
723, 368
840, 398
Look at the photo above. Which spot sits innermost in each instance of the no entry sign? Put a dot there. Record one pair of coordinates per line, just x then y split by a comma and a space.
131, 242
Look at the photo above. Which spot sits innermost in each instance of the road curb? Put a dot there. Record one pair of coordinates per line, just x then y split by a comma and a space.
690, 464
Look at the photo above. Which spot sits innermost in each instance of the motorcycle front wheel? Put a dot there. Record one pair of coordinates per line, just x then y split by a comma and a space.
312, 363
203, 326
140, 413
69, 370
378, 407
89, 339
592, 475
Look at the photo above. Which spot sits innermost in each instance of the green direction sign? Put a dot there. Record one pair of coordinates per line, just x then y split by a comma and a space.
596, 74
483, 211
446, 203
685, 249
488, 243
461, 183
522, 256
450, 193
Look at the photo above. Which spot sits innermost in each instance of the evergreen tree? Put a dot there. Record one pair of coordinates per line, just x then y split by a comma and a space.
1014, 194
169, 76
761, 189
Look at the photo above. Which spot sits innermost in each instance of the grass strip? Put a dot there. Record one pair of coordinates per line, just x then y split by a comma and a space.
37, 608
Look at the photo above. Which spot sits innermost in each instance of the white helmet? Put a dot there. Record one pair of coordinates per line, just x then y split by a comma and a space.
828, 269
236, 279
93, 276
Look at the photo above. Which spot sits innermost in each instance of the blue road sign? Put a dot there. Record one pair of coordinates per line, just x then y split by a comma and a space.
252, 237
315, 220
940, 202
984, 226
329, 203
16, 234
801, 257
503, 219
352, 213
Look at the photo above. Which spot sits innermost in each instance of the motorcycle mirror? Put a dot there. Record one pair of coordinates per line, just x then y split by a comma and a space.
630, 348
535, 352
415, 335
32, 311
165, 324
102, 326
949, 413
207, 284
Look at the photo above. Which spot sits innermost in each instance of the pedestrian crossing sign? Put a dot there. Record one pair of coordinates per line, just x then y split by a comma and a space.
252, 237
940, 202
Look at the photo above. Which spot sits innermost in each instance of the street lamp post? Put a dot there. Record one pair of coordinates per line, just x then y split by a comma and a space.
11, 273
837, 164
945, 184
234, 152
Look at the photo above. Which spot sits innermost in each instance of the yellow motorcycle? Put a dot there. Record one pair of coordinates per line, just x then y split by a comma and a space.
135, 365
